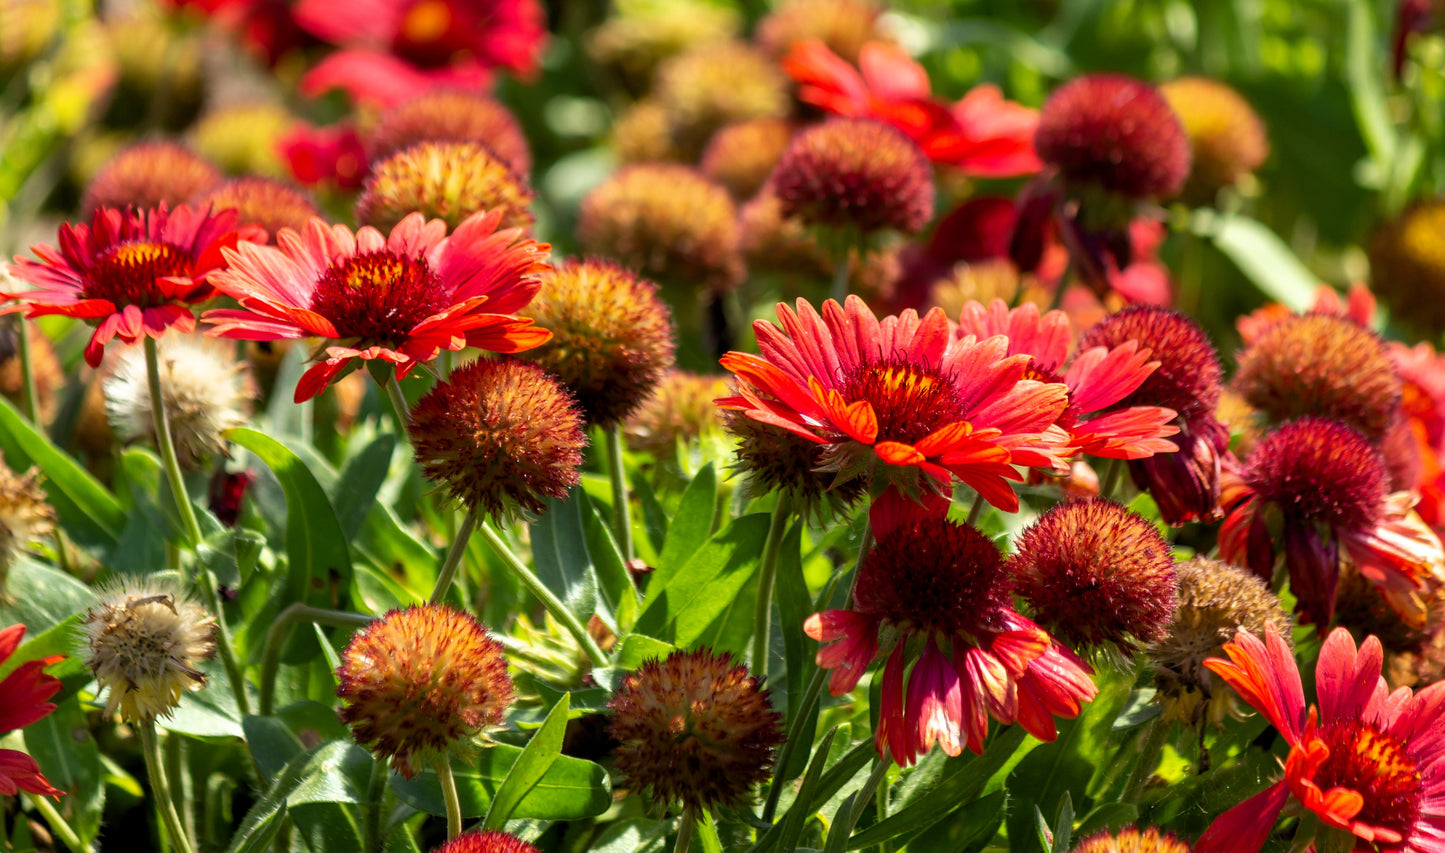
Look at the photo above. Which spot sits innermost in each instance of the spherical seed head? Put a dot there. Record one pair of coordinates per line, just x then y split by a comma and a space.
694, 728
1132, 840
858, 173
242, 138
486, 841
421, 683
1096, 574
775, 459
718, 83
271, 204
1319, 364
742, 155
206, 388
1225, 133
1407, 265
1114, 133
444, 180
44, 364
611, 336
453, 115
680, 408
643, 33
150, 174
1319, 470
499, 435
642, 133
1216, 599
935, 575
25, 517
1187, 380
843, 25
145, 641
666, 221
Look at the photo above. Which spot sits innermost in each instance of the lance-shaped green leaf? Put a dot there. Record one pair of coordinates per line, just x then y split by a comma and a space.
571, 789
536, 759
90, 514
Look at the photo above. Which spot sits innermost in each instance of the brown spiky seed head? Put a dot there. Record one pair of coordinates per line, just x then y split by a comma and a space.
843, 25
420, 684
1226, 134
680, 408
611, 336
25, 517
452, 115
742, 155
718, 83
776, 460
1407, 265
499, 436
1321, 471
149, 174
1132, 840
855, 173
1189, 372
694, 728
1320, 364
271, 204
444, 180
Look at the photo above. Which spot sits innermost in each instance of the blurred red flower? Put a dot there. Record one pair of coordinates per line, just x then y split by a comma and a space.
23, 700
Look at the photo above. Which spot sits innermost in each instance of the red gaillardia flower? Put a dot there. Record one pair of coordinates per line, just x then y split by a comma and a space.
1184, 484
151, 174
486, 841
324, 155
401, 299
694, 728
900, 398
23, 700
421, 683
1097, 378
1365, 761
132, 274
452, 115
1096, 574
940, 591
1325, 485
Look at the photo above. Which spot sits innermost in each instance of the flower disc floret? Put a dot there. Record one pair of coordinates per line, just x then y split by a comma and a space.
1189, 373
446, 180
1132, 840
486, 841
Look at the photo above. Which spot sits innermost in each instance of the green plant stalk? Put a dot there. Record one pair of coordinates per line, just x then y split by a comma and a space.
58, 825
845, 823
686, 825
276, 635
838, 292
160, 790
167, 446
371, 838
976, 509
621, 511
767, 574
454, 557
448, 782
1112, 472
398, 402
30, 397
549, 600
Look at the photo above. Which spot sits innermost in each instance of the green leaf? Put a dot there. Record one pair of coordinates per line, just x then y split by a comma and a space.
361, 480
692, 524
634, 835
613, 579
90, 514
41, 597
654, 520
327, 774
560, 557
571, 789
638, 649
61, 743
210, 711
684, 602
794, 821
794, 607
60, 639
1265, 259
541, 752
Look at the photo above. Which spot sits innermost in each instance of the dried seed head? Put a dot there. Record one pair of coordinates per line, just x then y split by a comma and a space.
1407, 265
453, 115
25, 517
680, 408
149, 174
444, 180
1225, 133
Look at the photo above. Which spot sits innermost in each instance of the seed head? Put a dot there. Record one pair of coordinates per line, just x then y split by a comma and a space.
144, 642
453, 115
499, 435
715, 84
1319, 364
772, 242
742, 155
1114, 133
1132, 840
486, 841
1225, 133
25, 517
1407, 265
1319, 470
642, 133
444, 180
44, 364
680, 408
271, 204
643, 33
774, 459
149, 174
1096, 574
694, 728
611, 336
844, 26
243, 138
1187, 380
421, 683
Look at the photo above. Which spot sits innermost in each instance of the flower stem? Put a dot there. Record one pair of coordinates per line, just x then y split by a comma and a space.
976, 509
1111, 478
167, 447
372, 840
448, 782
767, 574
276, 634
621, 512
160, 790
839, 290
685, 827
398, 402
845, 823
58, 825
549, 600
30, 398
454, 556
1147, 760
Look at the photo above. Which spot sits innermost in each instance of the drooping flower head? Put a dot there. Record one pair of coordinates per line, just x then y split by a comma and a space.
145, 642
713, 84
401, 298
421, 683
899, 400
150, 174
486, 841
1319, 364
1096, 575
444, 180
25, 518
1132, 840
269, 204
1407, 265
452, 115
742, 155
1364, 761
843, 26
24, 695
1225, 133
611, 336
694, 728
131, 274
939, 593
499, 435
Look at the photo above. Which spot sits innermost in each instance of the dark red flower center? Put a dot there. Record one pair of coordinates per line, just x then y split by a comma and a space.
910, 400
379, 296
126, 274
430, 33
935, 574
1318, 470
1376, 764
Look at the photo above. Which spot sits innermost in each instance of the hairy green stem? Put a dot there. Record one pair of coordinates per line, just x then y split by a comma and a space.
839, 291
448, 782
1112, 472
398, 402
976, 509
160, 790
621, 511
372, 840
58, 825
454, 556
276, 635
767, 574
167, 446
686, 825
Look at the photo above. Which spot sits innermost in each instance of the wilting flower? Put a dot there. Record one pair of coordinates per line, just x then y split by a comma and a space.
421, 683
452, 115
939, 593
262, 202
131, 274
1132, 840
1365, 761
1098, 378
843, 26
25, 517
611, 336
499, 435
1407, 265
205, 388
1225, 133
680, 408
694, 728
900, 398
715, 84
324, 155
145, 642
983, 134
742, 155
400, 299
444, 180
151, 174
486, 841
23, 700
1096, 574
